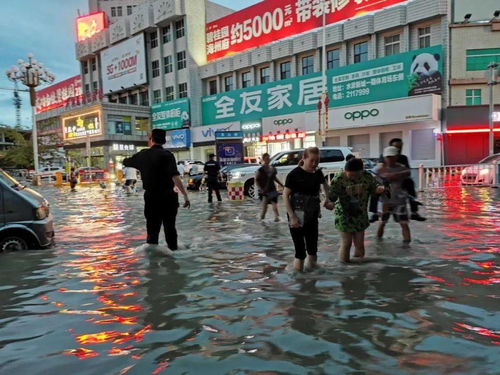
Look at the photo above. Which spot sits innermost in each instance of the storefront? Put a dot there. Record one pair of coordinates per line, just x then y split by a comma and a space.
467, 134
203, 138
368, 128
252, 140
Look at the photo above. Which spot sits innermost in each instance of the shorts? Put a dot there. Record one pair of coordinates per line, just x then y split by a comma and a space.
399, 212
274, 198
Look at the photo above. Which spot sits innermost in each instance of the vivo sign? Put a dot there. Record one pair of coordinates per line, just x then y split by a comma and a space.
180, 138
207, 133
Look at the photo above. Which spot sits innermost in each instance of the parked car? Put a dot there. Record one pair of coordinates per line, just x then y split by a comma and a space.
332, 160
188, 164
196, 177
50, 172
25, 218
481, 173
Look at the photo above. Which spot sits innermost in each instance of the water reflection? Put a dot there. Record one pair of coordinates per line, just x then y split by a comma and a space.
228, 305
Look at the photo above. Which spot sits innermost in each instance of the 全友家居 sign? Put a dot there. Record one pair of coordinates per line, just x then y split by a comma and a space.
124, 65
173, 114
398, 76
180, 138
269, 21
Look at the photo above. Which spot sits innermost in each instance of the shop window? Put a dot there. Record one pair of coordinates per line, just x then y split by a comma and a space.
289, 158
333, 59
156, 96
333, 141
141, 125
392, 44
155, 64
183, 90
153, 38
120, 124
169, 93
181, 60
179, 29
285, 70
246, 79
480, 59
424, 37
307, 65
166, 34
144, 96
133, 99
331, 156
360, 52
473, 96
360, 143
212, 87
228, 83
423, 144
167, 62
265, 76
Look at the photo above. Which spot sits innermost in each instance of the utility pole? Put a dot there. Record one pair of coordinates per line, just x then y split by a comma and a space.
491, 83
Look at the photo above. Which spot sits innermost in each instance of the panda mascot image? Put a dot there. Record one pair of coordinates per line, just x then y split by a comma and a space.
425, 77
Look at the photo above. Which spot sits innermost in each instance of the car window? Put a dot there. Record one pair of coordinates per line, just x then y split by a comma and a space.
490, 159
331, 156
289, 158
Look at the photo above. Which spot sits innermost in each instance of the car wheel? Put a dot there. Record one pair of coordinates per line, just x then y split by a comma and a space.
250, 190
13, 243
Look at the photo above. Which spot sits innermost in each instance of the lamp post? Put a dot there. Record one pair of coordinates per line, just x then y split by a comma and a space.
32, 74
491, 83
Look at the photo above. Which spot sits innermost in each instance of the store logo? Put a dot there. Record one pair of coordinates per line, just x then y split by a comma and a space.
362, 114
283, 122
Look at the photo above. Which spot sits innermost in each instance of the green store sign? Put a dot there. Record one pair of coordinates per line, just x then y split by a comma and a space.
412, 73
169, 115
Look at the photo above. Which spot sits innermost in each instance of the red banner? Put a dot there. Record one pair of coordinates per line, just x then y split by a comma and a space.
58, 95
272, 20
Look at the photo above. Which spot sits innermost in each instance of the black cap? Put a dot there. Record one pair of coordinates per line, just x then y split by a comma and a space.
159, 136
354, 165
211, 155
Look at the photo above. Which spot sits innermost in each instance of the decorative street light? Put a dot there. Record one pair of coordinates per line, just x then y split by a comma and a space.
32, 74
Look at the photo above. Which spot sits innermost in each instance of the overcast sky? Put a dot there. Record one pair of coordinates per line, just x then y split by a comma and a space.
46, 29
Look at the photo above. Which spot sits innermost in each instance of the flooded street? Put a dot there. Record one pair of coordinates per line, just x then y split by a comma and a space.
93, 304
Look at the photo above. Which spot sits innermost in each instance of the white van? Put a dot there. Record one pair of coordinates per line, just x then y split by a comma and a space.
332, 160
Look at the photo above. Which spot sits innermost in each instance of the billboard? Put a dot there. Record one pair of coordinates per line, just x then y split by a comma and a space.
82, 126
269, 21
407, 74
58, 95
173, 114
89, 25
124, 65
180, 138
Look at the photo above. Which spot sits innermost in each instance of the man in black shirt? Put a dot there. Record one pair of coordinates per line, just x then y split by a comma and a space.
212, 169
159, 177
408, 185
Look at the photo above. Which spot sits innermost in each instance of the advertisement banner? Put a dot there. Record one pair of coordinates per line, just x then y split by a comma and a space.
202, 134
230, 152
173, 114
269, 21
124, 65
89, 25
180, 138
397, 76
281, 124
58, 95
82, 126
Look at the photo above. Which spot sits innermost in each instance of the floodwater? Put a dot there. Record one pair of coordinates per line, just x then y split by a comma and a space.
93, 304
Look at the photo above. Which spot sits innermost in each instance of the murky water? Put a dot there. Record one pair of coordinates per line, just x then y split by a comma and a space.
228, 305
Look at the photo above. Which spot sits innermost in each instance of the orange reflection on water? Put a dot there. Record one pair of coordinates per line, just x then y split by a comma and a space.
495, 335
81, 353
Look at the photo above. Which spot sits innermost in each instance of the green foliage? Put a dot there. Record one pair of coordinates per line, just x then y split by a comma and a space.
18, 156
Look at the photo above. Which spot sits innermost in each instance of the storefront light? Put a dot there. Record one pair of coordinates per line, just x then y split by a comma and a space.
465, 131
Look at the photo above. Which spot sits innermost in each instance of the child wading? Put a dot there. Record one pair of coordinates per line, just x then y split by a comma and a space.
303, 206
351, 190
395, 200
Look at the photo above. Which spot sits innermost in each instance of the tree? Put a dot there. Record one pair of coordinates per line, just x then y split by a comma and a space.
20, 155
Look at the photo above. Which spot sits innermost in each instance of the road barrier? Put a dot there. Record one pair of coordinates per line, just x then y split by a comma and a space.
459, 176
236, 191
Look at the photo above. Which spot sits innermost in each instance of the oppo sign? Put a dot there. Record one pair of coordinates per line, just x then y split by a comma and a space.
363, 114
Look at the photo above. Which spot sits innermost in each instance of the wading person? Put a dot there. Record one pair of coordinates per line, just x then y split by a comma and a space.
130, 175
212, 171
73, 179
350, 190
394, 201
302, 202
159, 177
267, 178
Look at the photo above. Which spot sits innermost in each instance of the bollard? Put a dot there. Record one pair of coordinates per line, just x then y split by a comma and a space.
119, 176
59, 179
37, 180
236, 191
421, 178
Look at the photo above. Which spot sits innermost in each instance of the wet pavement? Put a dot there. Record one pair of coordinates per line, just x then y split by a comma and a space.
94, 304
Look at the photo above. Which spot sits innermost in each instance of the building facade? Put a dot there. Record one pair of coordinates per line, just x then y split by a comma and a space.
369, 61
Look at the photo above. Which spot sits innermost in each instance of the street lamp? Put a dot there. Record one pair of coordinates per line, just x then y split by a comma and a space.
32, 74
491, 83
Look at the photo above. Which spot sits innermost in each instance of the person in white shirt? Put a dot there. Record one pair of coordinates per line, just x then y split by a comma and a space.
130, 175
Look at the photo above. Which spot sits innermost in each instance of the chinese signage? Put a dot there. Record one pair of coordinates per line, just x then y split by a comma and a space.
201, 134
58, 95
269, 21
88, 26
82, 126
228, 135
230, 152
252, 132
280, 124
180, 138
120, 147
288, 136
173, 114
397, 76
124, 65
